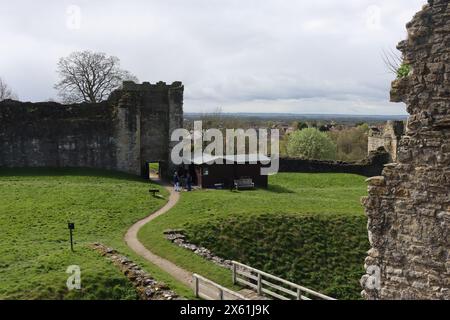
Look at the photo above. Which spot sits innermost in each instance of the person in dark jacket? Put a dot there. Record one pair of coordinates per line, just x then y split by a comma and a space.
176, 181
188, 182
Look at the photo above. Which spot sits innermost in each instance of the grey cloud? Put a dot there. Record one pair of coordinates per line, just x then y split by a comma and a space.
293, 56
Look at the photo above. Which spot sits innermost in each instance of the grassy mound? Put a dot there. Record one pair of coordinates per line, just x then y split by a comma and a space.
309, 228
321, 252
35, 206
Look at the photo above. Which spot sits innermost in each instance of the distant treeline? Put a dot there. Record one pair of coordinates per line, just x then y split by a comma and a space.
290, 117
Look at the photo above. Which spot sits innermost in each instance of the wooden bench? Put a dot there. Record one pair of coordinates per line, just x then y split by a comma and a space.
245, 183
153, 192
218, 186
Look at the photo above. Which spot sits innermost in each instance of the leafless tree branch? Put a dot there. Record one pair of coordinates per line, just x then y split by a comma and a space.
6, 92
89, 77
393, 60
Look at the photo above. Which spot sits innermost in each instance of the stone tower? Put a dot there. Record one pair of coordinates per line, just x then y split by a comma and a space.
409, 206
152, 112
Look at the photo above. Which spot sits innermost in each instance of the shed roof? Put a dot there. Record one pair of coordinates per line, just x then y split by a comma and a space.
237, 158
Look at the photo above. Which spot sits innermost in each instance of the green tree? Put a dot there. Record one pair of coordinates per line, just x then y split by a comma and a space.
298, 125
311, 144
351, 142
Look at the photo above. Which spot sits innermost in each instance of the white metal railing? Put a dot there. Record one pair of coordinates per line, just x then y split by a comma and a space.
209, 290
263, 283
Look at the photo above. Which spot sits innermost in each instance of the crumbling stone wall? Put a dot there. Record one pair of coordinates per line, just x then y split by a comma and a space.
123, 133
388, 138
146, 287
409, 206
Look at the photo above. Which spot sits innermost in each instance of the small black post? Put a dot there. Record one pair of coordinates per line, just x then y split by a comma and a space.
71, 226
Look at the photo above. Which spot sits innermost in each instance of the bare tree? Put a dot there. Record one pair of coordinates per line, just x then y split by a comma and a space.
213, 119
6, 92
89, 77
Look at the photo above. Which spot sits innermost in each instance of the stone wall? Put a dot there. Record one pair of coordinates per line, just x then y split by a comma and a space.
370, 167
123, 133
388, 138
146, 287
409, 205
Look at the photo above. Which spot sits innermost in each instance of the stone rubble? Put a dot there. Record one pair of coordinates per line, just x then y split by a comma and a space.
179, 238
146, 287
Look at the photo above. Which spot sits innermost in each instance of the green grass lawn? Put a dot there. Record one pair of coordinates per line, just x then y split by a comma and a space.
154, 166
35, 206
307, 228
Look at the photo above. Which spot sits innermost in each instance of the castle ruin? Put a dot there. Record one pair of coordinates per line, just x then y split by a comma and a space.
387, 138
124, 133
409, 205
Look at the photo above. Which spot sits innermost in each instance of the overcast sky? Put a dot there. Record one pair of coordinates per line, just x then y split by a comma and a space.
296, 56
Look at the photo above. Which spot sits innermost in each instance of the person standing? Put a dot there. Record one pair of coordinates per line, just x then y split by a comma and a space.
188, 181
176, 181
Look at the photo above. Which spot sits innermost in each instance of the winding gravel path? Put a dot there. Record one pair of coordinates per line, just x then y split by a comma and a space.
207, 290
133, 242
